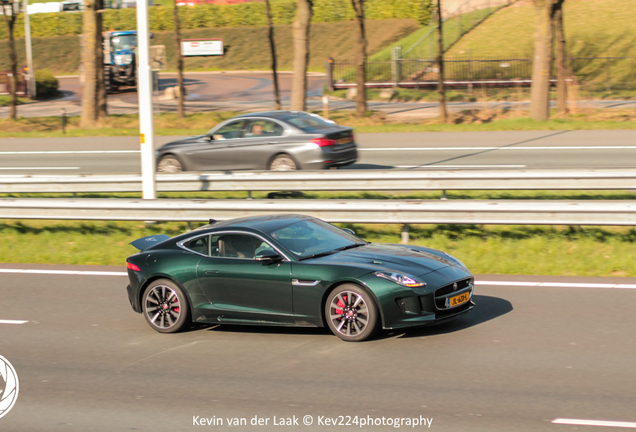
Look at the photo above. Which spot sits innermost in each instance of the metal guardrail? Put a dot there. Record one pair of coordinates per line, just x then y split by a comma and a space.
354, 211
347, 180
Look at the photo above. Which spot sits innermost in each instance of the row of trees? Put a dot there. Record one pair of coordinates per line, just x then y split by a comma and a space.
549, 29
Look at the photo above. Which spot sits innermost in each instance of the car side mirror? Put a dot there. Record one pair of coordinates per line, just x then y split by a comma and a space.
348, 230
268, 256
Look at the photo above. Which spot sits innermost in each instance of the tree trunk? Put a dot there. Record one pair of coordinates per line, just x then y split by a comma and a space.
540, 92
561, 59
89, 50
443, 113
102, 102
301, 54
361, 60
272, 47
13, 79
177, 42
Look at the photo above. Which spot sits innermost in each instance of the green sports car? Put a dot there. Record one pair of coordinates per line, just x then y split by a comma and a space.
293, 270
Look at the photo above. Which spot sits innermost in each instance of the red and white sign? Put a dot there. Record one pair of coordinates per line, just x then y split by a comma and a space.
201, 47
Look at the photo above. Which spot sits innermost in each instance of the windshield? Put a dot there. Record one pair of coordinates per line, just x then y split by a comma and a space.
307, 239
310, 123
128, 43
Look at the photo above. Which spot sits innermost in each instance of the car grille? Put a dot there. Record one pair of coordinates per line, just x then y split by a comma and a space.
451, 290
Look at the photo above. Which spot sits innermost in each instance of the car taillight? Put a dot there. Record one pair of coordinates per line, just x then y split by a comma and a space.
323, 142
132, 266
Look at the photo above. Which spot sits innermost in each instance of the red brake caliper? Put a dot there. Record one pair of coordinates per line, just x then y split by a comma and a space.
342, 305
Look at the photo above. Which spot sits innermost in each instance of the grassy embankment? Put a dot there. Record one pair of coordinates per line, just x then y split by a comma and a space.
247, 48
593, 29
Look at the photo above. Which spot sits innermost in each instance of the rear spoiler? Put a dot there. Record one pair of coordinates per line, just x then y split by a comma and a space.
145, 242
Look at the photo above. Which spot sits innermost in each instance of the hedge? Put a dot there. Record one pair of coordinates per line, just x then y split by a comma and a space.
46, 84
208, 16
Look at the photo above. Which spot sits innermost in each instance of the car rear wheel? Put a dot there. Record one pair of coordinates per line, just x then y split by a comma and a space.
351, 313
165, 307
283, 162
169, 164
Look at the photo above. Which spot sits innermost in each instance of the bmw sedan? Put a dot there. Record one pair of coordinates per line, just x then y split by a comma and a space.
293, 270
277, 141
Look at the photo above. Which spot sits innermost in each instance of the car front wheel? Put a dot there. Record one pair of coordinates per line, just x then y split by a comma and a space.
165, 307
351, 313
169, 164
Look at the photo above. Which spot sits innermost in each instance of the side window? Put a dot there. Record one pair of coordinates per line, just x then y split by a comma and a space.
199, 245
230, 130
264, 128
237, 246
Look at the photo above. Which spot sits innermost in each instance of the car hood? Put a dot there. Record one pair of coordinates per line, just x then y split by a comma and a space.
189, 140
413, 260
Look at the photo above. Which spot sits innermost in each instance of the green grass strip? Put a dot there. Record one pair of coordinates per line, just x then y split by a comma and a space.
551, 250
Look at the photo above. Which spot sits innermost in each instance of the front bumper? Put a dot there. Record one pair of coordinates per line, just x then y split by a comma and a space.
403, 307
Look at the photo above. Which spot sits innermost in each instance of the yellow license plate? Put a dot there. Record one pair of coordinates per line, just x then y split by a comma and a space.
346, 140
457, 300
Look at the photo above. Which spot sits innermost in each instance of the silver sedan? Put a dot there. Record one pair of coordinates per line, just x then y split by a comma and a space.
276, 140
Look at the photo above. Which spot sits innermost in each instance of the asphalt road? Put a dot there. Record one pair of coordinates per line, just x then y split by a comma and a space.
417, 150
523, 358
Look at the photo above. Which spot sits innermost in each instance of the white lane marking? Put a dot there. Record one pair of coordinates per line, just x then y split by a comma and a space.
64, 272
477, 282
39, 168
460, 166
555, 284
606, 423
498, 148
67, 152
12, 322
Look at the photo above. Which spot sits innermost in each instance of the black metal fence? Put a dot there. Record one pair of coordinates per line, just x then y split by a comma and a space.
5, 84
603, 72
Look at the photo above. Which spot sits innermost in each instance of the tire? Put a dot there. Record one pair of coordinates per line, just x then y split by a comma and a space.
283, 162
169, 164
165, 307
351, 313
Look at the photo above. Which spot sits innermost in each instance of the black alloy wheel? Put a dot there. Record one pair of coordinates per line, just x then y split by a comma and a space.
351, 313
165, 307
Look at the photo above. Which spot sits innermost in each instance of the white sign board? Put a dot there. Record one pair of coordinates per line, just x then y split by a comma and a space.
202, 48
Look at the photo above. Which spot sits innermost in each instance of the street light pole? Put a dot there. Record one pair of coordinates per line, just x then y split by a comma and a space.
144, 89
31, 88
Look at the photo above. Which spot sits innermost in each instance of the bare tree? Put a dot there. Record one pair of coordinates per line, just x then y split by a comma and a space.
361, 60
301, 54
10, 12
92, 64
177, 42
561, 59
443, 112
541, 66
102, 105
272, 47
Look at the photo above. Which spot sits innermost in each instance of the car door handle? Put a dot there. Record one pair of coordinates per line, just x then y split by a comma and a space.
273, 142
211, 272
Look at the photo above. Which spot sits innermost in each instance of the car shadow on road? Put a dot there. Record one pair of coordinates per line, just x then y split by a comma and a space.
488, 308
316, 331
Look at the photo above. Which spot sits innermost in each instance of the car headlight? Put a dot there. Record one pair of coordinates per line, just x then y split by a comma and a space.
123, 59
400, 279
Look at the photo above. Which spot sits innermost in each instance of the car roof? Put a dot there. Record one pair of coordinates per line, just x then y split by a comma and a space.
266, 223
274, 114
